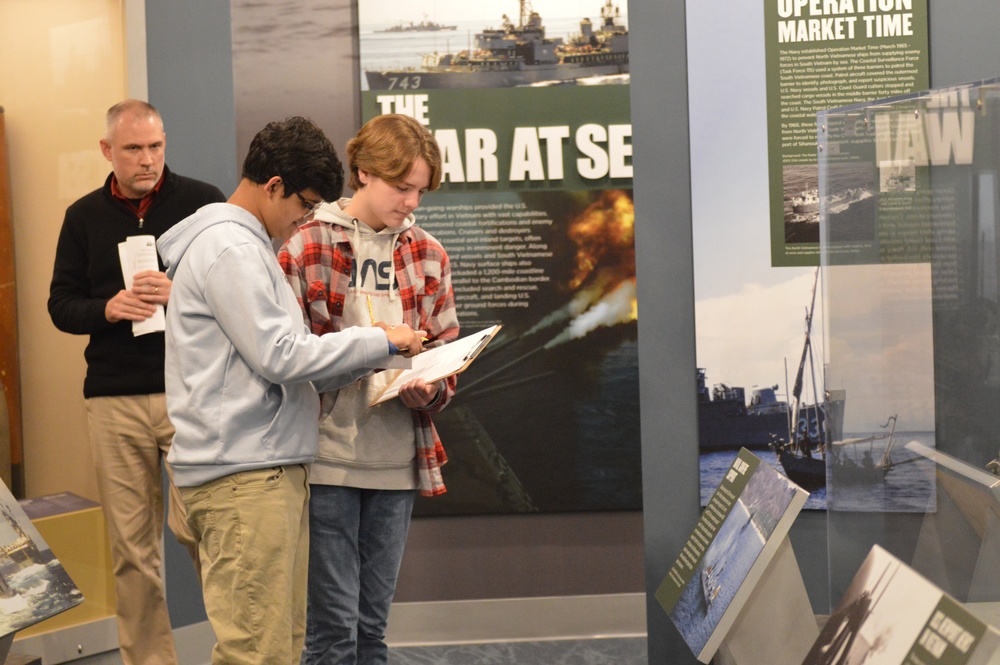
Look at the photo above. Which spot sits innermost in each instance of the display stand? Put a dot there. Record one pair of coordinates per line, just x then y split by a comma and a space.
894, 613
737, 567
985, 581
34, 586
776, 626
909, 205
7, 657
958, 546
21, 659
12, 658
74, 528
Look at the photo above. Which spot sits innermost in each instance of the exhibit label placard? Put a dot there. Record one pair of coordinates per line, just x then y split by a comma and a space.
822, 55
735, 540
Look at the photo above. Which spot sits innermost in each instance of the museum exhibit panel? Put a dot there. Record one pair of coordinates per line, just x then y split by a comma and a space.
908, 282
737, 574
908, 191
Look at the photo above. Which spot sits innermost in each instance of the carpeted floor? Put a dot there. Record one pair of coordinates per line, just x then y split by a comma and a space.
611, 651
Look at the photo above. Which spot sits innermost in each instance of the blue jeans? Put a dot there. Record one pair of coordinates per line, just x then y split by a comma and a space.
356, 541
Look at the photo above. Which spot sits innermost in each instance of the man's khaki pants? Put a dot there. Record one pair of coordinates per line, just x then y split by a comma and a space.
129, 438
253, 532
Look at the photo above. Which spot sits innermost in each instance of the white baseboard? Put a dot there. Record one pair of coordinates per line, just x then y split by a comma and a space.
517, 620
96, 643
482, 621
194, 644
83, 641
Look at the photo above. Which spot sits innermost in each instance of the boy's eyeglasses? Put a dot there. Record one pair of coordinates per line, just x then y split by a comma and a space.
310, 207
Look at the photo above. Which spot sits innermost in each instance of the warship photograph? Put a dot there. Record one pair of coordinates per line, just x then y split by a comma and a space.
849, 201
519, 54
33, 583
422, 26
728, 421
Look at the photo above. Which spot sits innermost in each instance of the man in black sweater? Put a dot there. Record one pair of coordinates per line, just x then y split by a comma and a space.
130, 433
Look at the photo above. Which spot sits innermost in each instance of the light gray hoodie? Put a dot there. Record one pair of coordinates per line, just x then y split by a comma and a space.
239, 360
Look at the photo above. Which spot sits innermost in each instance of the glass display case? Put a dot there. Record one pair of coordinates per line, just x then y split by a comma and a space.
909, 214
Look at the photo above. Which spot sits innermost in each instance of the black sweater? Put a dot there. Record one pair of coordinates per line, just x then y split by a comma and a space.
88, 274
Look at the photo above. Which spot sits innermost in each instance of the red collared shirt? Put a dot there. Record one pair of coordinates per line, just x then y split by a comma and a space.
142, 207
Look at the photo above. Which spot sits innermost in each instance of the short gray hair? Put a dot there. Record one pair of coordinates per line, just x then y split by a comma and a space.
136, 106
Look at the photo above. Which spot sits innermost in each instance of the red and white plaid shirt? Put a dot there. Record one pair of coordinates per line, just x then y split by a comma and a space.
317, 261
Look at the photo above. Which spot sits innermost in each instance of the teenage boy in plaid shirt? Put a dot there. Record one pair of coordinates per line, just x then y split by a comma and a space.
360, 261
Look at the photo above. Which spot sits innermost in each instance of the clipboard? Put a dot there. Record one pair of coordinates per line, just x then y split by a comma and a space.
440, 362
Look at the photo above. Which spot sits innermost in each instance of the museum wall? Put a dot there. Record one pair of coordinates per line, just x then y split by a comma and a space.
63, 64
447, 558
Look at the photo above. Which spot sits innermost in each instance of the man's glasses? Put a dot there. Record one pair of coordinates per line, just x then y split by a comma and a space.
309, 206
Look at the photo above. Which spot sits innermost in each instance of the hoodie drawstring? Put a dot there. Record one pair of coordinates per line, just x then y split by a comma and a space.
356, 242
392, 268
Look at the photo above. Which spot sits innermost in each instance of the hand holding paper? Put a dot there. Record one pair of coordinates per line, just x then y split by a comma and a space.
152, 286
138, 255
440, 362
418, 393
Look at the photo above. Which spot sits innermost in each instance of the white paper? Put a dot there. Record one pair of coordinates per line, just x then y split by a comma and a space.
439, 362
395, 362
138, 253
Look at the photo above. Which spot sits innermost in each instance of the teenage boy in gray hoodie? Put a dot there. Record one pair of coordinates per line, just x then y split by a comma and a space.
241, 378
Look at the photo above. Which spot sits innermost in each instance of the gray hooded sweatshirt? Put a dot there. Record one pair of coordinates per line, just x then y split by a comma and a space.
240, 363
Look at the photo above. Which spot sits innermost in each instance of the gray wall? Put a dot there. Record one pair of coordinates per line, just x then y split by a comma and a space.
190, 81
963, 36
662, 191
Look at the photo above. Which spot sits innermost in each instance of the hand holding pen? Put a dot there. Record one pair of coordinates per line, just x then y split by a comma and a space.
409, 342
